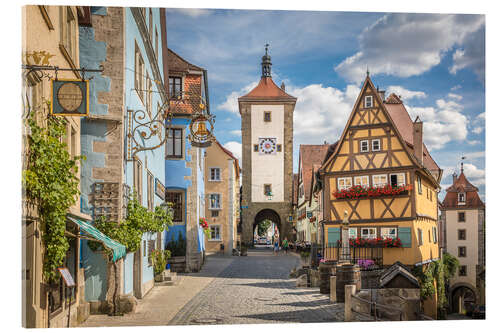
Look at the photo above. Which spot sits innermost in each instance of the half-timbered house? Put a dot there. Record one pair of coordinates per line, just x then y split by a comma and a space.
382, 176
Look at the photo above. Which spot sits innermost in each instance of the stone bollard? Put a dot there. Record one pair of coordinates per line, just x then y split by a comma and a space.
350, 290
333, 290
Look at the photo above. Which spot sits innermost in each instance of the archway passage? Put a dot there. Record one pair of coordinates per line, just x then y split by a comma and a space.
462, 298
268, 215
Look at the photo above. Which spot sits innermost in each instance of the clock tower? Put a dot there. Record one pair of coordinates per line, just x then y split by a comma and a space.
267, 149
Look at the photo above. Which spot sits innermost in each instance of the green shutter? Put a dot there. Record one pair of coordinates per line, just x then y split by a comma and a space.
405, 236
333, 236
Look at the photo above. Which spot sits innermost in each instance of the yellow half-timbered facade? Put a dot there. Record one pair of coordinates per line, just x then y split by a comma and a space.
382, 175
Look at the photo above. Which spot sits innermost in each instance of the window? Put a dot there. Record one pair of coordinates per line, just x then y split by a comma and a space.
278, 148
379, 180
215, 233
151, 186
215, 213
361, 181
368, 101
461, 198
301, 191
175, 86
461, 216
215, 201
148, 94
174, 143
420, 237
255, 148
369, 233
176, 200
364, 146
144, 249
139, 73
215, 174
389, 232
151, 248
434, 235
461, 234
267, 116
138, 179
267, 189
419, 184
376, 145
150, 24
344, 183
462, 271
353, 233
397, 179
68, 30
462, 251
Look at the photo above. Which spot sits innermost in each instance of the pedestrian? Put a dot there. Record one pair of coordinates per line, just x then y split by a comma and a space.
276, 245
285, 245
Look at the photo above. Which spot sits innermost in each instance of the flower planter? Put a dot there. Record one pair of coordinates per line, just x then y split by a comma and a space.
360, 192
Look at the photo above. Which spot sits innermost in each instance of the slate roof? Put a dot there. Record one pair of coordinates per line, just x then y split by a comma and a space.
397, 269
462, 184
310, 155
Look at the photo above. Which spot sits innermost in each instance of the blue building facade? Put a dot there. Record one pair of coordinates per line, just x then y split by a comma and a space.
130, 44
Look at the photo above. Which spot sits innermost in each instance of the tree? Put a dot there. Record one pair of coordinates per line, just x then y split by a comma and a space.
262, 227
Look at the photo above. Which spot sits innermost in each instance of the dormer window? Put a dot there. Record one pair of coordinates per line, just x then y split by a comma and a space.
368, 101
364, 147
461, 198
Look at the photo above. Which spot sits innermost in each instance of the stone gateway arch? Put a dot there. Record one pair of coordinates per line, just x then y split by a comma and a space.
267, 155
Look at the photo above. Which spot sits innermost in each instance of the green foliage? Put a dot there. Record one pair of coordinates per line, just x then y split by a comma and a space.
50, 183
262, 227
159, 259
177, 247
139, 220
305, 254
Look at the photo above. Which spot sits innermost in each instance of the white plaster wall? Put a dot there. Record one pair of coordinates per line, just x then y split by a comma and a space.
471, 242
267, 169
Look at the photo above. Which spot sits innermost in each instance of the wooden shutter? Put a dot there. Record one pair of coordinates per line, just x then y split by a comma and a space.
333, 236
405, 236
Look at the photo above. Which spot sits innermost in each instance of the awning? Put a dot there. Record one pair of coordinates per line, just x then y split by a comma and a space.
118, 249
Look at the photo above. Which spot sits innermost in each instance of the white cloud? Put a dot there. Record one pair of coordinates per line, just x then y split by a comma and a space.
234, 147
405, 93
236, 132
455, 96
470, 55
192, 12
478, 123
475, 175
321, 112
473, 142
456, 87
231, 102
477, 130
475, 155
442, 124
411, 44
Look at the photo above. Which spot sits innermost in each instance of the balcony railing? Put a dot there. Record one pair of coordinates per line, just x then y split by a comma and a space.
366, 257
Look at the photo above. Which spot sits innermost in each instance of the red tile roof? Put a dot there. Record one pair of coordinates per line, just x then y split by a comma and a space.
461, 185
404, 124
310, 155
267, 89
178, 64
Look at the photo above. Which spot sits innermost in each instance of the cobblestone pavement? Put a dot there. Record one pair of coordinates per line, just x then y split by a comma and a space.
256, 289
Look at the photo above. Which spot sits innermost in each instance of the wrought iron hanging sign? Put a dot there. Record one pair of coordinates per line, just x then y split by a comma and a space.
70, 97
201, 129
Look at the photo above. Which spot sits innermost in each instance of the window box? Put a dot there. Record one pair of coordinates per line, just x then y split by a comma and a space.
358, 192
373, 242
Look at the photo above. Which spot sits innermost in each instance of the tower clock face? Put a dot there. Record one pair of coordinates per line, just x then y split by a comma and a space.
267, 145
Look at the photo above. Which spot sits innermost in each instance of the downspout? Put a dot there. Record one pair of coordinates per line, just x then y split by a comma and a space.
207, 99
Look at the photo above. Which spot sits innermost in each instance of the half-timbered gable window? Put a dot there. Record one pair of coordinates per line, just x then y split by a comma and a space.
369, 233
361, 181
397, 179
344, 183
388, 232
376, 145
364, 146
379, 180
368, 101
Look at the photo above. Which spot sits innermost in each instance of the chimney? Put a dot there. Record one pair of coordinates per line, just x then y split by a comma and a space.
418, 135
454, 177
282, 85
381, 93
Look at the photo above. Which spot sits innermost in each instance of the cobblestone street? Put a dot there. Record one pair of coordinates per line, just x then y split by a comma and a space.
256, 289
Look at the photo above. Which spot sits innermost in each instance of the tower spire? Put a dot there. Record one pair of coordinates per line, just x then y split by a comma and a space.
462, 165
266, 63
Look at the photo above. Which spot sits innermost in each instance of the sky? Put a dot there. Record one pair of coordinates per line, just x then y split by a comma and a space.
435, 62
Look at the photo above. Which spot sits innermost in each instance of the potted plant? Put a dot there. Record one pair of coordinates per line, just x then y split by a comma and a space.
159, 259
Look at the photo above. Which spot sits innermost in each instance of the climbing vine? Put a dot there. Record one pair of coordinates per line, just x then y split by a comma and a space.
138, 221
50, 183
440, 271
